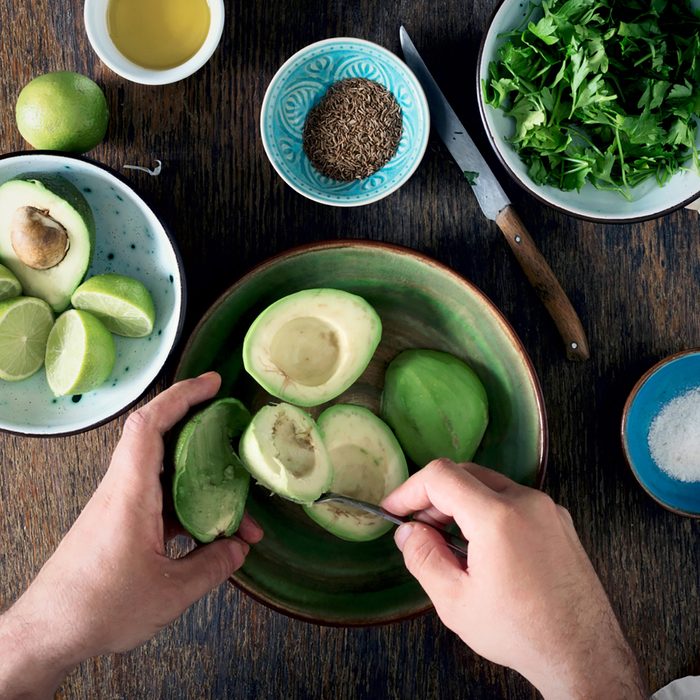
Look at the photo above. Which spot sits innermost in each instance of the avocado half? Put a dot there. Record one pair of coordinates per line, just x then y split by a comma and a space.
210, 486
436, 405
309, 347
47, 235
282, 448
368, 464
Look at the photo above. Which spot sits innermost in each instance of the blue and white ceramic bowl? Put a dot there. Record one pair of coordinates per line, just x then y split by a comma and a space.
300, 84
670, 378
130, 239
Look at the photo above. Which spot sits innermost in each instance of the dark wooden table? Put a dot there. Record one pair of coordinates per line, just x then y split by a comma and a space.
636, 288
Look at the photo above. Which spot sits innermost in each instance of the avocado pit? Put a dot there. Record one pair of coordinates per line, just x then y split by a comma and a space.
39, 241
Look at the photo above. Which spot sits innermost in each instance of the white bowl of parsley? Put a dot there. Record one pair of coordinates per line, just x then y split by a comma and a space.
592, 105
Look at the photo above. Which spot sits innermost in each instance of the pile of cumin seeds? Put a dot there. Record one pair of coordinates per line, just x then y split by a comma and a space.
354, 130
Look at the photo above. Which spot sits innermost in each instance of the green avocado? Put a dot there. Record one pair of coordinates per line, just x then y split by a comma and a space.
436, 405
47, 235
368, 464
210, 485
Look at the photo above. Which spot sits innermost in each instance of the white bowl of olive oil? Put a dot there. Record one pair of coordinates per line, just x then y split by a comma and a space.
154, 42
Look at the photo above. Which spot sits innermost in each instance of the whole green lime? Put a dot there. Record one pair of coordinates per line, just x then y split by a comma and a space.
62, 111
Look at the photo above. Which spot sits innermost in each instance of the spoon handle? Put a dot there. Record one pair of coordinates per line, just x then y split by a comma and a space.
455, 543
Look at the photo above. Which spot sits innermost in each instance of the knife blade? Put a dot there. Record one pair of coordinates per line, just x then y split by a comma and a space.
497, 207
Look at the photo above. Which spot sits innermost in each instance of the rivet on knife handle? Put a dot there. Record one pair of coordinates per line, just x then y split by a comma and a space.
540, 275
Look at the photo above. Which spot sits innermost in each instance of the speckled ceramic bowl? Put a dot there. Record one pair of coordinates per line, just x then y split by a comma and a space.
648, 200
668, 379
299, 568
130, 239
300, 84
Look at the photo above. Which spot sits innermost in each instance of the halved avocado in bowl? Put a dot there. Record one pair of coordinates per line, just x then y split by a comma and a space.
282, 448
309, 347
47, 235
368, 464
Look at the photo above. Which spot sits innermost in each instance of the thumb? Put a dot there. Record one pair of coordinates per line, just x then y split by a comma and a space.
209, 566
430, 560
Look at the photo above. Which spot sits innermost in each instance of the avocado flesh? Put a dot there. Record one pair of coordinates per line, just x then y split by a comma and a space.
210, 485
66, 205
283, 450
368, 464
309, 347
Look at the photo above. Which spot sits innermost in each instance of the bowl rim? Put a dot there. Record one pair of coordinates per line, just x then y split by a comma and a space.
424, 108
531, 187
183, 291
128, 69
543, 443
623, 427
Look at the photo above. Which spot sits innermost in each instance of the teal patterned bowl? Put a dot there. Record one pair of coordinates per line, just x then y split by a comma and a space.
299, 85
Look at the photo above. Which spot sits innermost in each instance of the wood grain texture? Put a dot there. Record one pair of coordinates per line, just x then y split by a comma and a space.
545, 283
635, 287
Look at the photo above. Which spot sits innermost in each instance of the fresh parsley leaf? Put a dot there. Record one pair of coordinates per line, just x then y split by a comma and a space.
601, 91
471, 176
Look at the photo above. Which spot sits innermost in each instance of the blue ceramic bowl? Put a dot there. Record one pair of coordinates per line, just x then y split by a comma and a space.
299, 85
665, 381
130, 239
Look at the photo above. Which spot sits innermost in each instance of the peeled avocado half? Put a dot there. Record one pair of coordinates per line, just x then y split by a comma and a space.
309, 347
283, 450
47, 234
368, 464
210, 485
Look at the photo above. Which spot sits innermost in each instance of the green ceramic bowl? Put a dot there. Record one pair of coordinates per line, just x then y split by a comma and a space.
298, 568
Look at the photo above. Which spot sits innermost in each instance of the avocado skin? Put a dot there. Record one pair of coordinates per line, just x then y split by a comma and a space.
436, 405
210, 485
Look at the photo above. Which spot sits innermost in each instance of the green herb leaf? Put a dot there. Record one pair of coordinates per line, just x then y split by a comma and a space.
601, 91
471, 176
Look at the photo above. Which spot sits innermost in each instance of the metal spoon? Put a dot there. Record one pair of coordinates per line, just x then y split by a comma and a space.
457, 544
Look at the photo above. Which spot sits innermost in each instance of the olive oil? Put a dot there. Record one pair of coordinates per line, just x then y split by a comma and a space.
158, 34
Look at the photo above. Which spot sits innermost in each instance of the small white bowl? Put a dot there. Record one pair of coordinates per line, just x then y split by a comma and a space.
96, 26
129, 239
648, 200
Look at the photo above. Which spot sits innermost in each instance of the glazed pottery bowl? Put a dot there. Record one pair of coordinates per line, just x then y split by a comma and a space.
648, 200
298, 568
130, 239
670, 378
301, 83
95, 17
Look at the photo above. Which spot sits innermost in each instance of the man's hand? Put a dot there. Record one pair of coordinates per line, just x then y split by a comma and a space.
528, 597
110, 586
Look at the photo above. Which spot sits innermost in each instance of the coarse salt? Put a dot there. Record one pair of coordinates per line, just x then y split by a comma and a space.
674, 437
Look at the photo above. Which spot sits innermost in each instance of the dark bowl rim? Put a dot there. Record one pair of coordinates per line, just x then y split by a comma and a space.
445, 270
623, 430
531, 189
183, 291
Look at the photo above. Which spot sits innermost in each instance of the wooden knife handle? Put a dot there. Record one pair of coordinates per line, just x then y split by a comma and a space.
545, 283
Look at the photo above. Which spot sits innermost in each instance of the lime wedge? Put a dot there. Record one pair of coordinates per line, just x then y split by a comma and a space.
25, 323
9, 284
80, 353
122, 303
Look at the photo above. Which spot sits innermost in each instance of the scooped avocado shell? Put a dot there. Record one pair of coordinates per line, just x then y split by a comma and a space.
210, 485
47, 235
436, 405
283, 449
309, 347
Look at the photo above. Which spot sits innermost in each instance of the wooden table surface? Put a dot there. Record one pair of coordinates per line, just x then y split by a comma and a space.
636, 288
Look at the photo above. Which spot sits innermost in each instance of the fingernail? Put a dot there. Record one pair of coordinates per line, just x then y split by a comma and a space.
208, 375
402, 533
245, 547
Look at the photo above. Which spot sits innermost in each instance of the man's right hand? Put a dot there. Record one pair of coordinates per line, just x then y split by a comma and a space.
528, 597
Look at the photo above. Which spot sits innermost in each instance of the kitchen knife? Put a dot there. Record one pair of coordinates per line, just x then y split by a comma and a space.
496, 206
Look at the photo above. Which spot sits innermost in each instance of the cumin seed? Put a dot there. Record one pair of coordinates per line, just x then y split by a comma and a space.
354, 130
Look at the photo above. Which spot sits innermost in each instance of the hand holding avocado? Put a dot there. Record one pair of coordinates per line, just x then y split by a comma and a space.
110, 585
